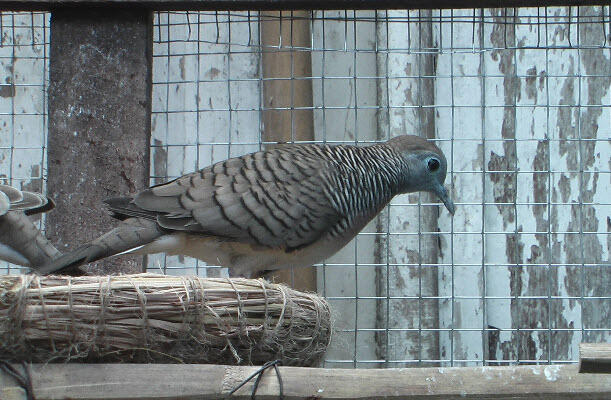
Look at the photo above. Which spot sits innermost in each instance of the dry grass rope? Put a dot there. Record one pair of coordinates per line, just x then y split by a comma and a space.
148, 318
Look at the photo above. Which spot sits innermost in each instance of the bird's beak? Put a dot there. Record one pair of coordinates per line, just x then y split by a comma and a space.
443, 195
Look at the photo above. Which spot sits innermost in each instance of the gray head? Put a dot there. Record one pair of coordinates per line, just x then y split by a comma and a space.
426, 167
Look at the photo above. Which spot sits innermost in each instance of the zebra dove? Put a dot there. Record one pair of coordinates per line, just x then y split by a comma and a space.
20, 241
293, 205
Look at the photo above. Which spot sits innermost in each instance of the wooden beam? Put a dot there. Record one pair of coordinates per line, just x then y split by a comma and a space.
595, 357
163, 381
99, 120
287, 4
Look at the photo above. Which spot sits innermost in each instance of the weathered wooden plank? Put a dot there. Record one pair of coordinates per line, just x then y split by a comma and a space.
524, 137
461, 286
281, 90
161, 381
284, 4
595, 357
99, 119
413, 258
342, 91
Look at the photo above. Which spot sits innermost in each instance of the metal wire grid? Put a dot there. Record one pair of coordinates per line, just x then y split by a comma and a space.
208, 105
24, 49
541, 20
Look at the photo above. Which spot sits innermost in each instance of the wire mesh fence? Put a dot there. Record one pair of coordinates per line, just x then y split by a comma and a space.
518, 99
24, 48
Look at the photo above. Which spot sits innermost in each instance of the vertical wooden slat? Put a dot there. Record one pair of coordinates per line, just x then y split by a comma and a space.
343, 96
458, 83
99, 119
413, 258
283, 89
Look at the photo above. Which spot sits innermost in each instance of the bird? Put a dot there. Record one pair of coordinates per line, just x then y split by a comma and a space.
289, 206
21, 242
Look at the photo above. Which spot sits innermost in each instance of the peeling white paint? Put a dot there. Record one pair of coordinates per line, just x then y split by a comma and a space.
340, 277
551, 372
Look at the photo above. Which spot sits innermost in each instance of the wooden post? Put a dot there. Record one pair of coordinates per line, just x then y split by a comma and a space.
284, 118
99, 120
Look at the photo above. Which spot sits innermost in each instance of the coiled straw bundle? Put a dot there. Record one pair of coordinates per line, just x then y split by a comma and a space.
147, 317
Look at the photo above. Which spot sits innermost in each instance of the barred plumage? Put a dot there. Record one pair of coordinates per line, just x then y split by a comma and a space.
293, 205
20, 241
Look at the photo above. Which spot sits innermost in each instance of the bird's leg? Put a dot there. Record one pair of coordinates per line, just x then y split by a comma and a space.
259, 375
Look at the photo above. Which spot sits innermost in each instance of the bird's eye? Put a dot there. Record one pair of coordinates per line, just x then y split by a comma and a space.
433, 164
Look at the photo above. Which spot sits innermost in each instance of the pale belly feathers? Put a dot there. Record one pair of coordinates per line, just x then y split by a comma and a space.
242, 259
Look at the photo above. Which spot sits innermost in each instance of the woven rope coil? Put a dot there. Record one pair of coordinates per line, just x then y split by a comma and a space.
148, 317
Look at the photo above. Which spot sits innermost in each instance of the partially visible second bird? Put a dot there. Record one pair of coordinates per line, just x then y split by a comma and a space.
21, 242
293, 205
12, 199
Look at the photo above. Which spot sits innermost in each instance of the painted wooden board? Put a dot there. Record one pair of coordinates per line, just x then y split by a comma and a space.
206, 102
342, 91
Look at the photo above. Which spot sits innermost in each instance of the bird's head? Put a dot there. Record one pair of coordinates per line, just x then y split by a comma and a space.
425, 167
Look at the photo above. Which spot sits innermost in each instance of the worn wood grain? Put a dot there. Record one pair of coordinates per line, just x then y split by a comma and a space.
595, 357
159, 381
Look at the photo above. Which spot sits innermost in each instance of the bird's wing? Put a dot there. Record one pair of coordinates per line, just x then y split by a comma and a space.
277, 198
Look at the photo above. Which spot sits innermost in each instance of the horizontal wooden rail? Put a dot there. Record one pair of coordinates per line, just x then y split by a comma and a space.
189, 5
179, 381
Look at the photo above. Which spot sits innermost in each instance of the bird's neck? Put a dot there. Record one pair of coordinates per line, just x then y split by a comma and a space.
372, 179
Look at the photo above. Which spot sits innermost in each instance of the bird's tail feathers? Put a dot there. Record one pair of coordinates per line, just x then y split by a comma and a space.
130, 235
83, 255
124, 207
